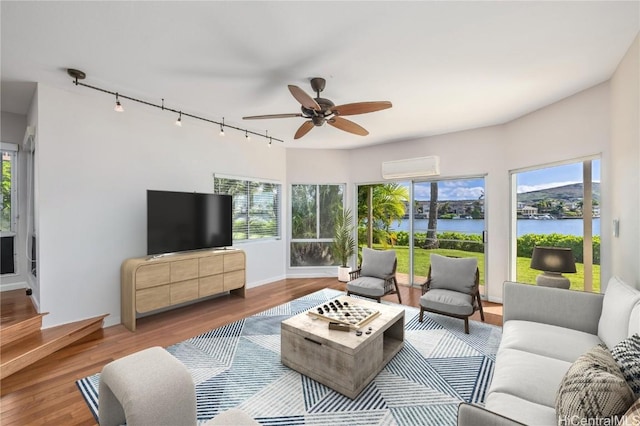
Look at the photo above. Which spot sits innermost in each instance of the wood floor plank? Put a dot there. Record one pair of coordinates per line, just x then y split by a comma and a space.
45, 393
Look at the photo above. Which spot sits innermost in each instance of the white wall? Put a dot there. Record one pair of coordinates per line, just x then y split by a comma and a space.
574, 127
12, 131
94, 167
624, 172
312, 166
13, 127
32, 120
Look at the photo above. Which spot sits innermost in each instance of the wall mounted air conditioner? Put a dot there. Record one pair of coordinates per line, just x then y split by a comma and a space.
411, 167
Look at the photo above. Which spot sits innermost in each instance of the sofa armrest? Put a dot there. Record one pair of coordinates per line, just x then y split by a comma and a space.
577, 310
473, 415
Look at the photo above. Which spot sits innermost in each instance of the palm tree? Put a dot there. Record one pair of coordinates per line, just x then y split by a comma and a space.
432, 227
387, 205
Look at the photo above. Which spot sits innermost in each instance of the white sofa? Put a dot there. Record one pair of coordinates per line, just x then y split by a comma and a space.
544, 331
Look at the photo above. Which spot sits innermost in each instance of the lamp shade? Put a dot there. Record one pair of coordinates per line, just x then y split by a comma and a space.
553, 259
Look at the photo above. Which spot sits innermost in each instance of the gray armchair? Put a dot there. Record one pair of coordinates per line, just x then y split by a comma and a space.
452, 288
376, 276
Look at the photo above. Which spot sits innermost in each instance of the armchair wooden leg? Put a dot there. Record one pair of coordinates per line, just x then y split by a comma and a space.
397, 290
466, 325
480, 305
421, 313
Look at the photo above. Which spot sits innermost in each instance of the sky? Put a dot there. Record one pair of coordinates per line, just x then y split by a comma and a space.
473, 189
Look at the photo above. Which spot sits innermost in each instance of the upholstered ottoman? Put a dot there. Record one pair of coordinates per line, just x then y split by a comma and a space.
150, 387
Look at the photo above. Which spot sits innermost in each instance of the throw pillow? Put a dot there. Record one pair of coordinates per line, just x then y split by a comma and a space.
593, 389
627, 356
452, 273
377, 263
632, 416
619, 300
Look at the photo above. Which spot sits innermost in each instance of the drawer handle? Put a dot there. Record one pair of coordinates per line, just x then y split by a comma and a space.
313, 341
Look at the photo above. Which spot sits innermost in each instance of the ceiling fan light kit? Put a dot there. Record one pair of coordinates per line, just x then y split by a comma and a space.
80, 75
319, 110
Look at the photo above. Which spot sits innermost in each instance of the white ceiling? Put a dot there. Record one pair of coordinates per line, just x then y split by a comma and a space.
445, 66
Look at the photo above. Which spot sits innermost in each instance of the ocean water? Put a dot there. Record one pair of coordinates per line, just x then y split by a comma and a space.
525, 226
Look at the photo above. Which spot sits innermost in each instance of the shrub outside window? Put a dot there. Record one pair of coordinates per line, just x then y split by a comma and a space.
313, 209
256, 207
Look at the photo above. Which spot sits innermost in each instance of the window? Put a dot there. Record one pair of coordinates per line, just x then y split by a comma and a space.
313, 210
9, 211
256, 206
559, 206
9, 218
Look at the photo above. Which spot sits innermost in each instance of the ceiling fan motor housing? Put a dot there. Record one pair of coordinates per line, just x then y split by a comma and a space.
319, 116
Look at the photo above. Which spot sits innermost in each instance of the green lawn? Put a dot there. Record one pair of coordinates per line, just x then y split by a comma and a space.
524, 273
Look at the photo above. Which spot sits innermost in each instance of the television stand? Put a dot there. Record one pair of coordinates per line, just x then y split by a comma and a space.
155, 282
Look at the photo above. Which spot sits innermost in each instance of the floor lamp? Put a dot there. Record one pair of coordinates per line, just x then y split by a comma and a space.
553, 261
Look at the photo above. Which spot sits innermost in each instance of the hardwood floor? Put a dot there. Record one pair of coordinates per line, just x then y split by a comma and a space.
46, 393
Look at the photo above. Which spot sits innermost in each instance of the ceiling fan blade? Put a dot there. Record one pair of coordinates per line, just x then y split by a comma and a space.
256, 117
304, 99
347, 126
360, 107
304, 129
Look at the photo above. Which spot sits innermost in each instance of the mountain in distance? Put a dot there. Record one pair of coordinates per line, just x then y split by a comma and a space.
570, 193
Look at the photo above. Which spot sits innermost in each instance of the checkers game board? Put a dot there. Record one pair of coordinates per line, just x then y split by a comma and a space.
346, 311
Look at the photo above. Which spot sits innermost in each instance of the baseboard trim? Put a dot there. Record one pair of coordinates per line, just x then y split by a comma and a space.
13, 286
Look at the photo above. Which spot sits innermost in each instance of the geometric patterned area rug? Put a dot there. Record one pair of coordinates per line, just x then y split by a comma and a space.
238, 365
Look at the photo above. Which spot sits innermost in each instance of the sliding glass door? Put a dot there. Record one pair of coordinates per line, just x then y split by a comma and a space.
417, 218
448, 218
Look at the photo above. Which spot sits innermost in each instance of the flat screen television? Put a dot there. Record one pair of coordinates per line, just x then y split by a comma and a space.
181, 221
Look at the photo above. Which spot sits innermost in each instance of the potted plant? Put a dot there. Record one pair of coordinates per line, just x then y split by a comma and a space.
344, 245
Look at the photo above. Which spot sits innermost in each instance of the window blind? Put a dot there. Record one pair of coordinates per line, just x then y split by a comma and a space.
256, 207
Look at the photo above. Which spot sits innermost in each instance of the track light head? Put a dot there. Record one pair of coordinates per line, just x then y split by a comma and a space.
246, 135
118, 107
221, 130
179, 120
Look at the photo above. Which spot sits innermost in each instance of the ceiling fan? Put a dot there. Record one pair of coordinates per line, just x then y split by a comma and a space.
319, 110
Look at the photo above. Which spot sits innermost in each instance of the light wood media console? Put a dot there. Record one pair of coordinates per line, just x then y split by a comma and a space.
154, 282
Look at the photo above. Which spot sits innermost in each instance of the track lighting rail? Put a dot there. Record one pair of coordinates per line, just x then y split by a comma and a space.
80, 75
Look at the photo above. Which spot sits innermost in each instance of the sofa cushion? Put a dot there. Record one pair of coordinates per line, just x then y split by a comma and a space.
451, 273
447, 301
532, 377
521, 410
547, 340
593, 388
377, 263
619, 300
367, 286
627, 356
